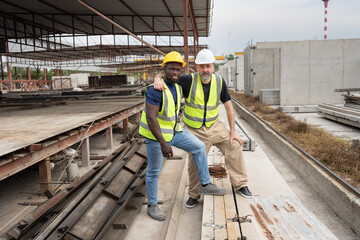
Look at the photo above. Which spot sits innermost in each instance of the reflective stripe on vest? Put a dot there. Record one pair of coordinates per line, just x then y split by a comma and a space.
195, 102
167, 116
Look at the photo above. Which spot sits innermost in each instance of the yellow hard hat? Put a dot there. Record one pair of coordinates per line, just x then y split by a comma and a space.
173, 57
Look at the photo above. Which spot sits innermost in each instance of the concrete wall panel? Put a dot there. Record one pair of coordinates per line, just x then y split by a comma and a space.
294, 84
326, 67
239, 73
351, 75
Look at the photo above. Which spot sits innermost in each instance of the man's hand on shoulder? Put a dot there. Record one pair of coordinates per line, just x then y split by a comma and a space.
158, 84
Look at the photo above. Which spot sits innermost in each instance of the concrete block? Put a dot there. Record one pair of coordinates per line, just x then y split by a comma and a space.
298, 109
269, 96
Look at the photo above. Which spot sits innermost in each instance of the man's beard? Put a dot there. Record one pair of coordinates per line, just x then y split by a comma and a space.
205, 77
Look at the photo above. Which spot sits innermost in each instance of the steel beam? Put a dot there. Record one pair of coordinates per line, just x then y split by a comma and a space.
186, 47
120, 27
173, 17
137, 15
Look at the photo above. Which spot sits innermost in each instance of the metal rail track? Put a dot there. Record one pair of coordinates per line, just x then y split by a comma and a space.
88, 207
317, 162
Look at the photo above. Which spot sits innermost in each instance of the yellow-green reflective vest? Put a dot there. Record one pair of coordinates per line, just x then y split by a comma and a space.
167, 117
195, 103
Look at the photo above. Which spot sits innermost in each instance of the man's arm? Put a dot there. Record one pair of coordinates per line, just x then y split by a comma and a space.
158, 84
231, 119
151, 113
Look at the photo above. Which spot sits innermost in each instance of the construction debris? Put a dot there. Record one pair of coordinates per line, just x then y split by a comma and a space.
88, 206
217, 171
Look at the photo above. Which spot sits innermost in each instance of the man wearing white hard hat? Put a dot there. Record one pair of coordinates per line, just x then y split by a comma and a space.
159, 125
203, 91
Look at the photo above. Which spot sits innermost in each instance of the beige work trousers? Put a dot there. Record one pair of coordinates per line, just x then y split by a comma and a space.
219, 136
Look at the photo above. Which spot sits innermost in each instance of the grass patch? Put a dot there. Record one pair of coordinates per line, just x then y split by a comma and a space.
340, 155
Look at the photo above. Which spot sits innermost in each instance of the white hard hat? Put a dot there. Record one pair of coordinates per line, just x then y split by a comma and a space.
205, 56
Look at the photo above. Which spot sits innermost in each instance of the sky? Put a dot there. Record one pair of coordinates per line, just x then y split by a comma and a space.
237, 23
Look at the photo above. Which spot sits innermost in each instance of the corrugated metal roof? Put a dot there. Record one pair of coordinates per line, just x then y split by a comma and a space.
22, 18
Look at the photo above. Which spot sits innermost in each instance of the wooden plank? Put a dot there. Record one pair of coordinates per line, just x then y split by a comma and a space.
233, 228
219, 213
207, 230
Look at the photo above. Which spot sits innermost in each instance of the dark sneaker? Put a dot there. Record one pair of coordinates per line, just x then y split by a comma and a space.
212, 189
155, 212
245, 192
190, 203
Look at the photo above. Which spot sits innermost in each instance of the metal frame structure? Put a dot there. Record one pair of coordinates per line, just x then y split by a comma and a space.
58, 34
43, 24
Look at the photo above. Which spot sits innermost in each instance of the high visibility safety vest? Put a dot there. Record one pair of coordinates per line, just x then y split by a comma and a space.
167, 117
195, 104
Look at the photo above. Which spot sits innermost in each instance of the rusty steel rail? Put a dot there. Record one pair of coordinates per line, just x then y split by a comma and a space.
87, 207
317, 162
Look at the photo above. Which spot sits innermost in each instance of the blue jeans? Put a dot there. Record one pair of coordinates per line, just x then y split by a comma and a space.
183, 140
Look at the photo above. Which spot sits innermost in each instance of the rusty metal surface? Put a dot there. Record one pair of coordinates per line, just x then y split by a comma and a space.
122, 203
84, 213
40, 213
92, 212
283, 217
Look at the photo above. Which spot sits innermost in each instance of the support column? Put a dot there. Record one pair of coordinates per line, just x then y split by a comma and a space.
2, 68
85, 152
125, 126
9, 75
28, 73
2, 75
57, 72
15, 68
137, 117
109, 138
45, 176
186, 46
45, 77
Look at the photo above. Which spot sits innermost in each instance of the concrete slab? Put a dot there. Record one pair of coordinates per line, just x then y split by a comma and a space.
19, 129
336, 128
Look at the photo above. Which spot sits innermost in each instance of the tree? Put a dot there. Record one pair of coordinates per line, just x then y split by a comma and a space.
230, 57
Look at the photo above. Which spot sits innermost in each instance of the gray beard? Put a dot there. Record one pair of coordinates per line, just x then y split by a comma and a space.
205, 78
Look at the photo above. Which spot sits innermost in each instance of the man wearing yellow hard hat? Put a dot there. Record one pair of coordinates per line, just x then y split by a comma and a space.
203, 91
159, 125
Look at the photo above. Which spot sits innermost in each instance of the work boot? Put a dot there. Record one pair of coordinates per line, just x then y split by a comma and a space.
155, 212
191, 202
245, 192
211, 189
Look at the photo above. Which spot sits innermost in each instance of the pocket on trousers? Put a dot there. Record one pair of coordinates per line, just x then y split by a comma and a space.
221, 131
